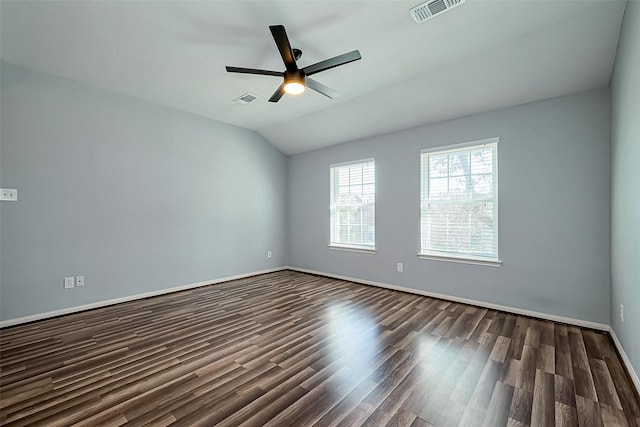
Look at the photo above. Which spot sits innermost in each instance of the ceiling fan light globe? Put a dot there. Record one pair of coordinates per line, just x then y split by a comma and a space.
294, 88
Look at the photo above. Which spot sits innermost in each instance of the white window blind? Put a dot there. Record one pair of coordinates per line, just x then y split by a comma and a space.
353, 205
459, 201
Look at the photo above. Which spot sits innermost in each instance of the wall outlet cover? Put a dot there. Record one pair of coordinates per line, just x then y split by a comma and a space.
622, 313
8, 194
79, 280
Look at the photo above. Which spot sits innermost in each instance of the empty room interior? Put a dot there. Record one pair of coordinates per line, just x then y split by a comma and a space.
331, 213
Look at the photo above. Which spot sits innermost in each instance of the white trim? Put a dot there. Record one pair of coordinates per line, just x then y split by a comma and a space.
352, 249
625, 359
539, 315
462, 260
352, 162
461, 146
99, 304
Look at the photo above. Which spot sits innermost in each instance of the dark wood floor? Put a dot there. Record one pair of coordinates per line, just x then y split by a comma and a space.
294, 349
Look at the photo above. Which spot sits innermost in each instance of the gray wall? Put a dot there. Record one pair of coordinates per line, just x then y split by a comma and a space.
553, 205
133, 196
625, 177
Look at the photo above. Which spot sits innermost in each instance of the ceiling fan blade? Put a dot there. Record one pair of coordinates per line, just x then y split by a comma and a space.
320, 88
336, 61
277, 94
253, 71
282, 41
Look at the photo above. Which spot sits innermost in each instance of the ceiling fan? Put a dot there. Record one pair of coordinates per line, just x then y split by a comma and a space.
296, 79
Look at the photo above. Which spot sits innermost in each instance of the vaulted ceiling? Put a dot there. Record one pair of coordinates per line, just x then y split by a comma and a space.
480, 56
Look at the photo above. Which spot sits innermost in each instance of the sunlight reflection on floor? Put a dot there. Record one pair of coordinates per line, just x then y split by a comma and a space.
353, 339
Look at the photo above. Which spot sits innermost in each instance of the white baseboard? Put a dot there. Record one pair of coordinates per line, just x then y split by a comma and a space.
545, 316
99, 304
625, 359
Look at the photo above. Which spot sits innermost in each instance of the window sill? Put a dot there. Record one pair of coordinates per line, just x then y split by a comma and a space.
352, 249
461, 259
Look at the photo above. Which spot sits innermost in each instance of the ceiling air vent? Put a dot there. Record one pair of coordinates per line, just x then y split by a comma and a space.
245, 99
429, 9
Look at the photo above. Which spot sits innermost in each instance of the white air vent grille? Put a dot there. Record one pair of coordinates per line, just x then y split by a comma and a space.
436, 6
246, 98
429, 9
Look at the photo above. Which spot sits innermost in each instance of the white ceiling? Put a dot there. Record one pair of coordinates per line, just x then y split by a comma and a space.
477, 57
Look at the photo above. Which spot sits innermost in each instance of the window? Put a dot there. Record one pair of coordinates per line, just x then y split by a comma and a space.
353, 205
459, 203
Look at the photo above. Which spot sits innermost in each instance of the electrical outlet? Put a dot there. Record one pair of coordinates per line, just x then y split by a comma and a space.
69, 282
399, 267
79, 281
8, 194
622, 313
268, 254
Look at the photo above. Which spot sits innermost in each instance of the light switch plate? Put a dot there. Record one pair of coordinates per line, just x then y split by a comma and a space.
69, 282
8, 194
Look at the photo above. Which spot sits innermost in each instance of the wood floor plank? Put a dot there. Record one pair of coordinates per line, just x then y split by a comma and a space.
564, 365
605, 389
588, 412
401, 419
289, 348
612, 416
499, 406
565, 415
543, 405
564, 391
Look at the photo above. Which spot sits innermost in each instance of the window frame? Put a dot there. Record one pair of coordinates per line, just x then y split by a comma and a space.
369, 249
424, 179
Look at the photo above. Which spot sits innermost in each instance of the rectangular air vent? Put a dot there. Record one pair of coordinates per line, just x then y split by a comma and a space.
428, 10
245, 99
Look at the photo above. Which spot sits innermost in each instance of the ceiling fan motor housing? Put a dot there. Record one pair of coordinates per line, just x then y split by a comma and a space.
294, 82
297, 76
